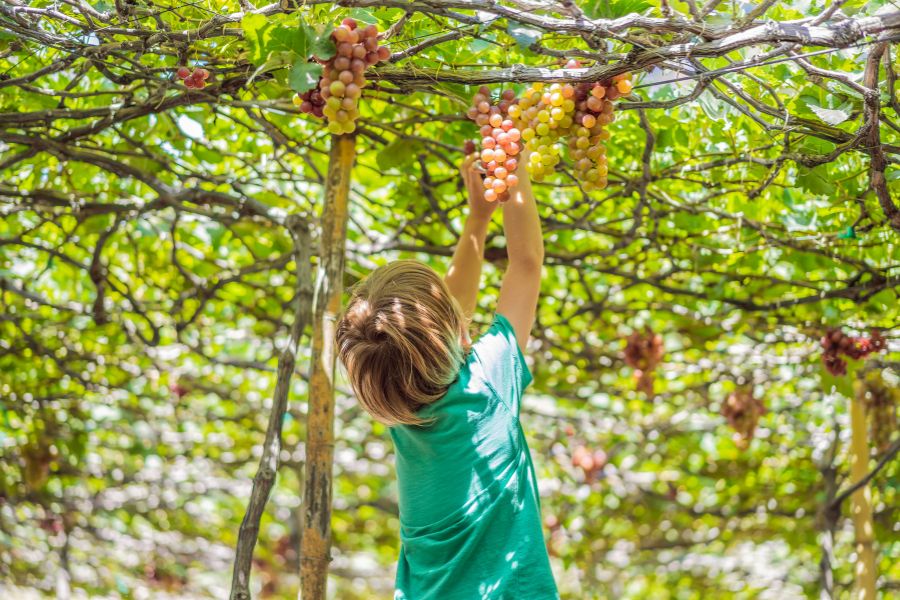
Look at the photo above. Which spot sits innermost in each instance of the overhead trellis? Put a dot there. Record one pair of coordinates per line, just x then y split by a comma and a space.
151, 235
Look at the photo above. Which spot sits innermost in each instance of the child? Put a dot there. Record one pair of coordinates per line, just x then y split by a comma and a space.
470, 525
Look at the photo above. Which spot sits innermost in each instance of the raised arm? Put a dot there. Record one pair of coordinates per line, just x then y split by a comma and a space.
525, 246
464, 275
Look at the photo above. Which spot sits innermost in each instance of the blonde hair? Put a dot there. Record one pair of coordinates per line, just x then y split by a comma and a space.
401, 341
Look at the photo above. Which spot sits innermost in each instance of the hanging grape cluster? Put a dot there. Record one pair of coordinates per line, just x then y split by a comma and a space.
591, 462
742, 410
881, 402
311, 102
544, 116
835, 343
594, 112
643, 351
195, 79
500, 142
343, 76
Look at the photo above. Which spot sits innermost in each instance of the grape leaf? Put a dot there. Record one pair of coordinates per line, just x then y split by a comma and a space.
296, 40
396, 154
255, 30
815, 180
322, 46
612, 9
304, 75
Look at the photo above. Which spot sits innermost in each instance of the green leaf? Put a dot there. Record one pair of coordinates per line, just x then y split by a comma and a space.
524, 36
815, 180
255, 27
612, 9
322, 46
843, 384
396, 154
264, 37
291, 39
304, 75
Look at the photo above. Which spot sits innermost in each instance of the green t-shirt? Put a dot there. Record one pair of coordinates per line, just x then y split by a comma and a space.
470, 517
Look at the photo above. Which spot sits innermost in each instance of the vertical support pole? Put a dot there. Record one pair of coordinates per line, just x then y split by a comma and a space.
315, 543
861, 500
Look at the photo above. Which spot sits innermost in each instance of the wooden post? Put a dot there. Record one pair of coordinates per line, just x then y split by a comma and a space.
315, 543
861, 500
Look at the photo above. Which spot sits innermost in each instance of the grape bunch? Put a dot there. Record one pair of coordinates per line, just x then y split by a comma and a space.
835, 343
195, 79
881, 401
343, 76
311, 102
643, 351
594, 111
742, 410
544, 115
500, 142
592, 463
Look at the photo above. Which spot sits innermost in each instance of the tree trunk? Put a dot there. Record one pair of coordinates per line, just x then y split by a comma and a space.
829, 519
315, 543
864, 584
269, 461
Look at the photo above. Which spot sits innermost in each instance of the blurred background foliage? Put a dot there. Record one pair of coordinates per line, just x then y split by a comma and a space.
147, 284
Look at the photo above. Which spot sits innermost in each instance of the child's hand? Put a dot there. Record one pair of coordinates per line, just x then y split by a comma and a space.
478, 206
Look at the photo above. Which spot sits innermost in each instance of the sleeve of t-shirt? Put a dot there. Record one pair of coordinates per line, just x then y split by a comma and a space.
501, 360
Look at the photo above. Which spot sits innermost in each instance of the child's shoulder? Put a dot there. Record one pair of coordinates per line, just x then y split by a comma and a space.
498, 339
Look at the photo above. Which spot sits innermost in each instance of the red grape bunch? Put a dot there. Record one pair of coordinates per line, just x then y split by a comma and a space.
594, 111
742, 410
591, 462
643, 351
546, 115
835, 343
195, 79
343, 76
500, 142
311, 102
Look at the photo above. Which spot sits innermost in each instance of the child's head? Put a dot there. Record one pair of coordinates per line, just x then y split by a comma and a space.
401, 340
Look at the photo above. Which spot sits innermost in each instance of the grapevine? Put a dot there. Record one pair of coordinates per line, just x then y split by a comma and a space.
343, 76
